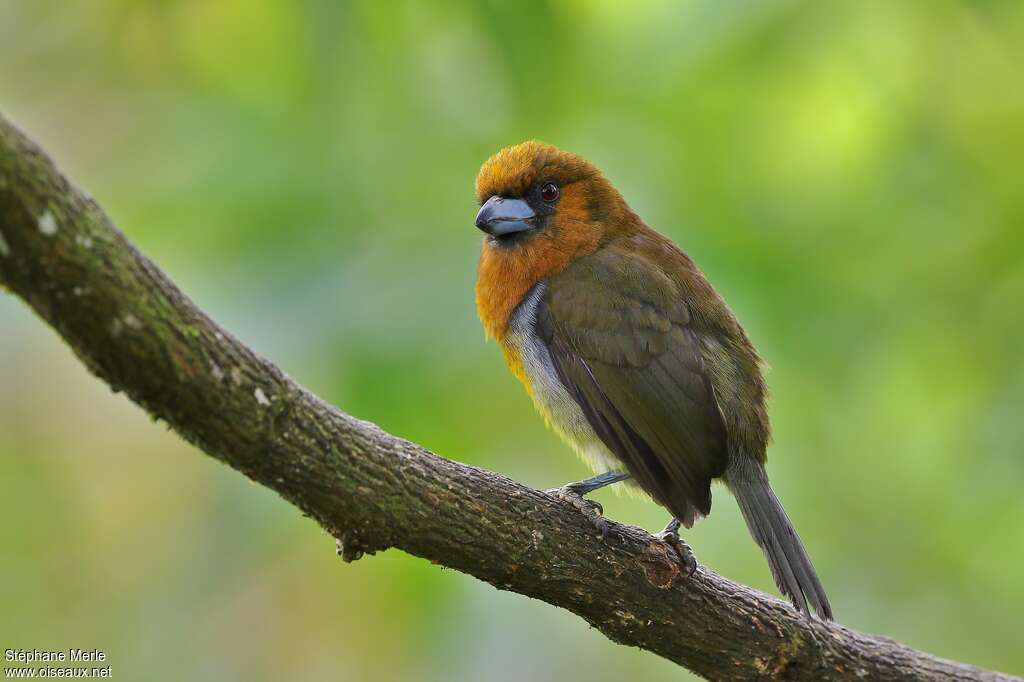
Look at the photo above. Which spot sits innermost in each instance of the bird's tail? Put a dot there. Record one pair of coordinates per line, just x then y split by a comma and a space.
773, 531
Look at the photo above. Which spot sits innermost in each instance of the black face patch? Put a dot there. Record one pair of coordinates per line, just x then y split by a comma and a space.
513, 240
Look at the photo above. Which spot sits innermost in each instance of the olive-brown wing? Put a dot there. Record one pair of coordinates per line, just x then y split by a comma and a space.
628, 355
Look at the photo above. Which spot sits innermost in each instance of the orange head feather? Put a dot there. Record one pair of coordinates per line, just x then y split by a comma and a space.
586, 213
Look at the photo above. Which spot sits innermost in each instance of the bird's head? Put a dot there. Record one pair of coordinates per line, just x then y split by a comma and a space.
541, 209
534, 193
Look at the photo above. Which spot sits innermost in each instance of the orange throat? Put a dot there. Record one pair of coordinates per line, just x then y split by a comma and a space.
508, 272
501, 284
505, 277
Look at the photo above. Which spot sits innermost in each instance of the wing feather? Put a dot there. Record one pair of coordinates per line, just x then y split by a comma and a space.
624, 349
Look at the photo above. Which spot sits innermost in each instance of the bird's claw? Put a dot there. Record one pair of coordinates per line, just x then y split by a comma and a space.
686, 557
591, 509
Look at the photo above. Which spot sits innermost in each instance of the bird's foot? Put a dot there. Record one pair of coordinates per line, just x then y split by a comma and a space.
670, 536
589, 508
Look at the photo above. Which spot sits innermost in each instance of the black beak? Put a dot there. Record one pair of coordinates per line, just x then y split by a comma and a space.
500, 216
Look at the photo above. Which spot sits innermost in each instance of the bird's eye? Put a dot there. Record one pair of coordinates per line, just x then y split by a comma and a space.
549, 192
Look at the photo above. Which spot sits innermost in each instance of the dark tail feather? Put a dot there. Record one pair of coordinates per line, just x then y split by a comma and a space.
773, 531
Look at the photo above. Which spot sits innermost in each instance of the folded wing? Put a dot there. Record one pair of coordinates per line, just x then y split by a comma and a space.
621, 340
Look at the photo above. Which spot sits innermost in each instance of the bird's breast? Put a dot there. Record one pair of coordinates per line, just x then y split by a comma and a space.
528, 357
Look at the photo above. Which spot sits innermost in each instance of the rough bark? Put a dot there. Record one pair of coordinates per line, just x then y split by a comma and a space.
133, 328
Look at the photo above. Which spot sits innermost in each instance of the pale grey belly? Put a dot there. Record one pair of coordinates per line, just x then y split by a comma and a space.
560, 410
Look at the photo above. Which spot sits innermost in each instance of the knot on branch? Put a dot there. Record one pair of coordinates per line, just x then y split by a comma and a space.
351, 547
661, 565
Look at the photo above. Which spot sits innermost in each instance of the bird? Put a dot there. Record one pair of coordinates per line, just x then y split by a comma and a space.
628, 352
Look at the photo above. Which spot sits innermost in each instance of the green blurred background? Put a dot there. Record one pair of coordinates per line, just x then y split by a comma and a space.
847, 173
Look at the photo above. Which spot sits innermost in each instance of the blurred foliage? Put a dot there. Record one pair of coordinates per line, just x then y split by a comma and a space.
848, 174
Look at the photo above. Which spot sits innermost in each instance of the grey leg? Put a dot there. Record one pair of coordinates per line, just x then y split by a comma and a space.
671, 527
573, 494
670, 536
589, 485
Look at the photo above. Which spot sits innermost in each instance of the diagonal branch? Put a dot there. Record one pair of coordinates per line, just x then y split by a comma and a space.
134, 329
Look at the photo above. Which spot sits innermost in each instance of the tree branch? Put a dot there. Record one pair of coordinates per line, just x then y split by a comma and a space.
134, 329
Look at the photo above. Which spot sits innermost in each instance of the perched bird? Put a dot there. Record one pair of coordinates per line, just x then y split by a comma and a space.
627, 350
